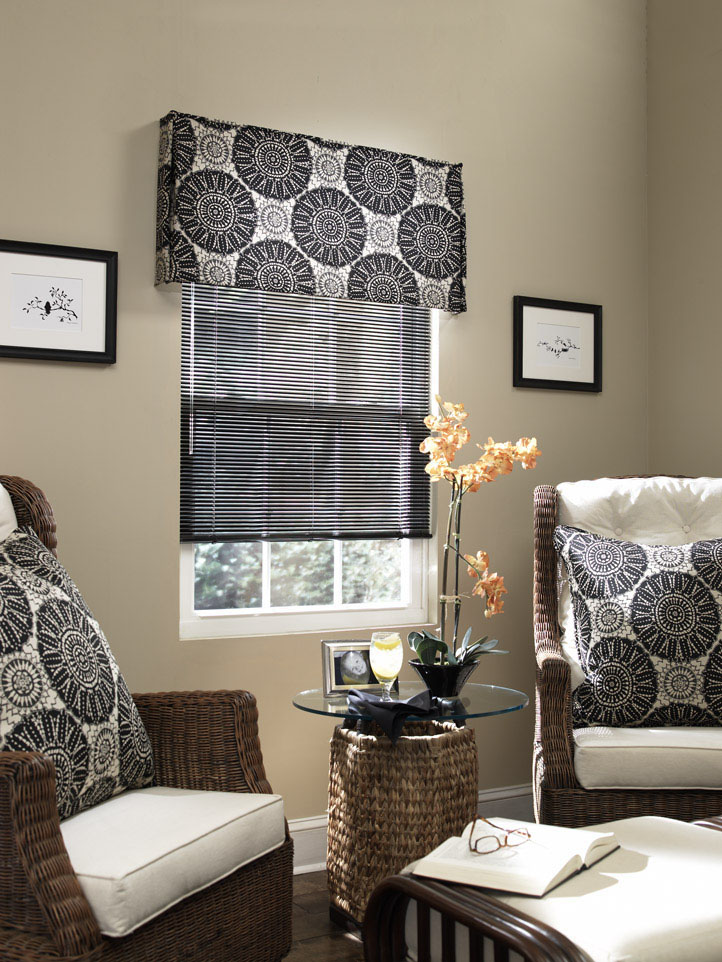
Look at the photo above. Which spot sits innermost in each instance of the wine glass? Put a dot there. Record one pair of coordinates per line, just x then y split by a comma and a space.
387, 657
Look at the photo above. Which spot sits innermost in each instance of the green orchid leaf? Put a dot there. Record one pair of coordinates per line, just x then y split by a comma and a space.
487, 645
473, 650
466, 639
414, 638
453, 660
426, 649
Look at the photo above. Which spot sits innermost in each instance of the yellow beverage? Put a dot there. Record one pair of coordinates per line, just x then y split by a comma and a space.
387, 657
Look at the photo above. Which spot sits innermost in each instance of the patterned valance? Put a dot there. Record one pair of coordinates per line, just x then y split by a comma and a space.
256, 208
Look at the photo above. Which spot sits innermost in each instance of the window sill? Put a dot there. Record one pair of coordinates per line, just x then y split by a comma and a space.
301, 622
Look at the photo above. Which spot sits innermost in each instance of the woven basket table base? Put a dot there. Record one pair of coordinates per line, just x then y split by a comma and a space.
389, 805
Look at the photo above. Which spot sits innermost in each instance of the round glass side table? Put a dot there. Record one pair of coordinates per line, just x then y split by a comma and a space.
391, 804
475, 701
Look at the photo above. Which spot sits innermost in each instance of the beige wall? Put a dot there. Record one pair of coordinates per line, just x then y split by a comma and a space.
544, 102
685, 236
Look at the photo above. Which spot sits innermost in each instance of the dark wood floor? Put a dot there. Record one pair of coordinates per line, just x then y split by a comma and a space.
315, 939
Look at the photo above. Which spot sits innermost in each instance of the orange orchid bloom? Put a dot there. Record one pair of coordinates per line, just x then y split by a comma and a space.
447, 435
478, 564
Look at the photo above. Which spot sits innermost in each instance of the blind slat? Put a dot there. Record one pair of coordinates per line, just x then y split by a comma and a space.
301, 417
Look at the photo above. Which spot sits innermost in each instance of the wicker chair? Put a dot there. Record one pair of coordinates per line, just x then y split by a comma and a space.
202, 741
559, 799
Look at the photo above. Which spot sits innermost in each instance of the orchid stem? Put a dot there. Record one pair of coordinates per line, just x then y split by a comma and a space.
445, 569
457, 600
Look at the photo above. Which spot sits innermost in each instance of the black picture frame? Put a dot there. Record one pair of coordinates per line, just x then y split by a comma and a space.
527, 373
98, 327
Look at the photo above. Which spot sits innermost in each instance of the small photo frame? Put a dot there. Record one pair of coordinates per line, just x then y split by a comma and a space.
57, 303
557, 344
347, 665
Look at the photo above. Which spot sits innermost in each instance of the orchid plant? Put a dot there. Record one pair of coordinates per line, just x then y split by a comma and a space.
448, 435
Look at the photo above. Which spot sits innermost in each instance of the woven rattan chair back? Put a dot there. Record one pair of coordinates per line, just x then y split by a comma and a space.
559, 799
31, 507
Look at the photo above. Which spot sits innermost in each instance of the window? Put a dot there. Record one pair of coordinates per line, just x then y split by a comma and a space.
304, 501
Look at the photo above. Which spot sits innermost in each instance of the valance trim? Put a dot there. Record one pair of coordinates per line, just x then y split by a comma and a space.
256, 208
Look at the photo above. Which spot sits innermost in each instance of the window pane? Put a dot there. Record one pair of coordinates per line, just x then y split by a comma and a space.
301, 573
227, 575
371, 571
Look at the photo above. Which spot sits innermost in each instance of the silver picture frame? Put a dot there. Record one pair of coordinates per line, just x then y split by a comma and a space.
347, 665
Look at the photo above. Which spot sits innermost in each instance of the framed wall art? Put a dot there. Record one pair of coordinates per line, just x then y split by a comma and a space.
557, 344
57, 303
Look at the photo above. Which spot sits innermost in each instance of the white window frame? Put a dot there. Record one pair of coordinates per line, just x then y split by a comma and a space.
419, 588
418, 582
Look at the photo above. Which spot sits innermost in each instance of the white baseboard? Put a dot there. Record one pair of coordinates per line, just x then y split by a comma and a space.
507, 791
309, 843
309, 834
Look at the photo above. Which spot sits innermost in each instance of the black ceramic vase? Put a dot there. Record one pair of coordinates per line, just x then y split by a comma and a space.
444, 681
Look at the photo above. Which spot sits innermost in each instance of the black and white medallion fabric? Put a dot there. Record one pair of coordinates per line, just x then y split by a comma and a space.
61, 692
242, 206
648, 630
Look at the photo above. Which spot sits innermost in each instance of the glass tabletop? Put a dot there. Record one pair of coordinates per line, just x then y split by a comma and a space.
475, 701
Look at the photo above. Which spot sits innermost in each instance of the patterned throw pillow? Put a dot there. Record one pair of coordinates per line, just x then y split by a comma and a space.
61, 692
648, 630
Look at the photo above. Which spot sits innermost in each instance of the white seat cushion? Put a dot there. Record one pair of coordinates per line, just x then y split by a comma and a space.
648, 757
141, 852
8, 521
655, 510
656, 899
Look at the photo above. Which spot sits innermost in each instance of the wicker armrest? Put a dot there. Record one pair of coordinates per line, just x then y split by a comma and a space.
205, 740
554, 719
31, 507
485, 917
39, 891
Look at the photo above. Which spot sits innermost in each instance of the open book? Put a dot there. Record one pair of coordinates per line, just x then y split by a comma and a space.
550, 856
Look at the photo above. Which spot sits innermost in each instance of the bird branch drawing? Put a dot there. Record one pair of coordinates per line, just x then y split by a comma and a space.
559, 346
58, 305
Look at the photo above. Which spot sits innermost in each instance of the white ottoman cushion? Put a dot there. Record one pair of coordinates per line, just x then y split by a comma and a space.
141, 852
8, 520
648, 757
656, 899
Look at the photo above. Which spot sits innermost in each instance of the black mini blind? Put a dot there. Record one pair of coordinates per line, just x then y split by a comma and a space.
301, 417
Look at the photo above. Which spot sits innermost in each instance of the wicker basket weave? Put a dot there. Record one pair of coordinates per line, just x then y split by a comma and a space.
389, 805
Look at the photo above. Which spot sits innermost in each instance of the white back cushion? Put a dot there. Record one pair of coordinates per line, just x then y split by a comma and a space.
655, 510
8, 521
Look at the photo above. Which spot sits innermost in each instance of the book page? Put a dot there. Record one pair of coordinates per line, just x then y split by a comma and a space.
588, 844
530, 868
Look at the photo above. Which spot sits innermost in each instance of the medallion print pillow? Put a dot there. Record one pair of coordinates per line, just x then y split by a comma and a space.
648, 630
61, 692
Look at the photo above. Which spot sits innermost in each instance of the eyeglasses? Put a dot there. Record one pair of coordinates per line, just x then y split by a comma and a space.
486, 844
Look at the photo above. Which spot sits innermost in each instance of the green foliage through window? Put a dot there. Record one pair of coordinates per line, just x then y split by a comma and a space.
302, 573
228, 575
